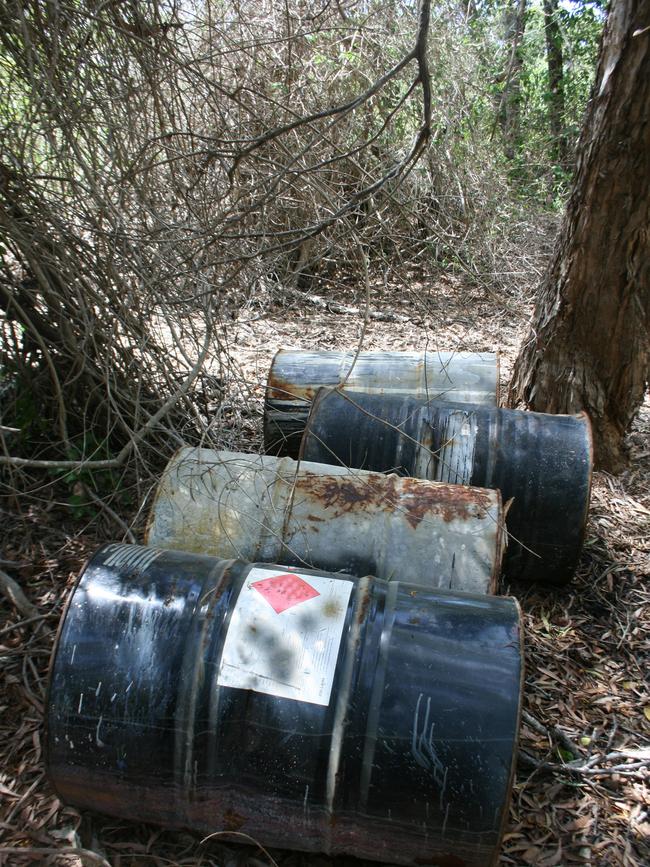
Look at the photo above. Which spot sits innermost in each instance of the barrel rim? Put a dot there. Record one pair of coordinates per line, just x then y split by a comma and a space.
321, 394
501, 542
269, 388
590, 481
150, 514
507, 798
52, 663
589, 451
498, 389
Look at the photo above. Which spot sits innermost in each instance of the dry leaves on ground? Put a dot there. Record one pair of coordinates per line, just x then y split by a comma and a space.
581, 795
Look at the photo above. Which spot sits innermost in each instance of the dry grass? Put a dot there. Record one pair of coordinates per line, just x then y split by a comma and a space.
581, 793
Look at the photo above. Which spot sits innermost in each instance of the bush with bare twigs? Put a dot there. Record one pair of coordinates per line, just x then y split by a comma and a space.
163, 165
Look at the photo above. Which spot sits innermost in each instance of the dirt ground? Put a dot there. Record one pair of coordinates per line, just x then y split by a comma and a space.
581, 791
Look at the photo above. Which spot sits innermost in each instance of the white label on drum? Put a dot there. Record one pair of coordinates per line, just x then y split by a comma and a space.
284, 635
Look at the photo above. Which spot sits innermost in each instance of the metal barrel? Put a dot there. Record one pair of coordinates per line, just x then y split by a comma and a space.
541, 462
296, 375
304, 709
276, 510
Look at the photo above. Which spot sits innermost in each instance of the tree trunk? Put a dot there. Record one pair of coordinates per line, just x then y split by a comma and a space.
589, 346
510, 107
555, 64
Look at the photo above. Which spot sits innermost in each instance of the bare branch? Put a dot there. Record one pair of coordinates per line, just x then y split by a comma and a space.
13, 592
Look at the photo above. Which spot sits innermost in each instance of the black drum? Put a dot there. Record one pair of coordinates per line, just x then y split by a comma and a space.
305, 709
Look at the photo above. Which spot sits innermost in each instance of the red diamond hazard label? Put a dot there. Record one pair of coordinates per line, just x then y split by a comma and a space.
269, 614
284, 591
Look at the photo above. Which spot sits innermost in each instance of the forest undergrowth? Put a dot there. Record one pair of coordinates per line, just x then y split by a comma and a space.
183, 191
581, 789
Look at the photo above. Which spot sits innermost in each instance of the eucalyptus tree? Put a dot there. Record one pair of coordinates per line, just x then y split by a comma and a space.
589, 344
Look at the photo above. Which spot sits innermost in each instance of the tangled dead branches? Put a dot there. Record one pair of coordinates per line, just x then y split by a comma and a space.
158, 164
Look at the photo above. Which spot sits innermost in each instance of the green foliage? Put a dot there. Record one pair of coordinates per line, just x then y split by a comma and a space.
76, 483
580, 27
22, 412
580, 23
20, 408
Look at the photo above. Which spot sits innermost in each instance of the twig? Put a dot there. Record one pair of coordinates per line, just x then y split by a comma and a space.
329, 112
135, 439
423, 68
11, 589
553, 732
87, 856
22, 623
629, 769
366, 316
246, 838
335, 307
111, 513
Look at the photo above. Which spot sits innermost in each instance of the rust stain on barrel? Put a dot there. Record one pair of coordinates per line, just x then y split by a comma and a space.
451, 502
232, 821
363, 605
348, 493
417, 500
278, 388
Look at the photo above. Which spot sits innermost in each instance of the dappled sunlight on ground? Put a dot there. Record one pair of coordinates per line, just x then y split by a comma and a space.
581, 792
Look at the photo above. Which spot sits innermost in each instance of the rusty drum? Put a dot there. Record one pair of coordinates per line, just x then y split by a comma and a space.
296, 375
541, 462
276, 510
304, 709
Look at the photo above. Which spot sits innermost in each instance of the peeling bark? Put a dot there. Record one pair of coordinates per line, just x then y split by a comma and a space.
589, 346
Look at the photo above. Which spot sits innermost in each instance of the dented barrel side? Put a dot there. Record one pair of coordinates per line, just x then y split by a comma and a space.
541, 462
296, 375
253, 507
304, 709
